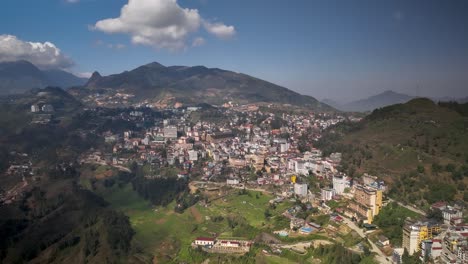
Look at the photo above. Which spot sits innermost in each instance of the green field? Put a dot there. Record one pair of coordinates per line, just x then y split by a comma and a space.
167, 235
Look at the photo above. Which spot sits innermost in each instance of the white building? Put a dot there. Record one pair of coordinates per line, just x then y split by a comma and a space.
204, 241
300, 189
193, 155
449, 212
232, 181
340, 183
228, 243
327, 194
47, 108
35, 108
284, 147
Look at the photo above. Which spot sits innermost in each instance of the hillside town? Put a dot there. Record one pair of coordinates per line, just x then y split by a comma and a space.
246, 147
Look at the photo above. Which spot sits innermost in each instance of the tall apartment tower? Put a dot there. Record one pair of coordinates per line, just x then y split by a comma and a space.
415, 233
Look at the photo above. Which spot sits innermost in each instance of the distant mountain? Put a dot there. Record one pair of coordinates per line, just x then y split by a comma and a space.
157, 84
64, 79
377, 101
333, 103
20, 76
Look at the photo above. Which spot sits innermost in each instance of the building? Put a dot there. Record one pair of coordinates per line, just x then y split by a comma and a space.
193, 155
384, 240
449, 212
430, 249
47, 108
327, 194
456, 245
340, 183
217, 137
170, 132
284, 147
232, 181
366, 204
205, 241
35, 108
397, 255
300, 189
415, 233
229, 243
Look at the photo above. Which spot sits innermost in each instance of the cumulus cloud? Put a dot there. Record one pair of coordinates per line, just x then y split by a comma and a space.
159, 23
219, 29
44, 55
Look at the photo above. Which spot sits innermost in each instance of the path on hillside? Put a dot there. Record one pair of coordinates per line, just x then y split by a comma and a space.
380, 257
409, 207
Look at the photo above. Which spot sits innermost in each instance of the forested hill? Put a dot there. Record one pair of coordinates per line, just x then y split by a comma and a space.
418, 147
154, 82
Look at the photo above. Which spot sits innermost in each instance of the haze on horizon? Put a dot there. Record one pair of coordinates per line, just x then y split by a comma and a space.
328, 49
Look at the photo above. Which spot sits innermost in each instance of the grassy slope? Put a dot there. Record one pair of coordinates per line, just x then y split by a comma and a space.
394, 141
167, 235
402, 136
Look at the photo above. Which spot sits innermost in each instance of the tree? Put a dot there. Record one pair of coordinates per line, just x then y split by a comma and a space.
420, 169
435, 214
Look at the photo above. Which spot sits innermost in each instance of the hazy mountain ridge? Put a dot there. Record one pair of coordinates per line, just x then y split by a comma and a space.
381, 100
198, 84
20, 76
373, 102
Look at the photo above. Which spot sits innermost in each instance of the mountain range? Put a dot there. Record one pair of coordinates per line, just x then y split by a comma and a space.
381, 100
368, 104
154, 83
20, 76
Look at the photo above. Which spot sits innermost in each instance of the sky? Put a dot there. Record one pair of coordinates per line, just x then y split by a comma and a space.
341, 50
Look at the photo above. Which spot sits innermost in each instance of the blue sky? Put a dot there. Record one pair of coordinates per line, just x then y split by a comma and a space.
342, 50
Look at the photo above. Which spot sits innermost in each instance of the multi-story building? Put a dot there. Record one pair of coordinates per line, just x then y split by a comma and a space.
456, 245
35, 108
415, 233
449, 212
340, 183
327, 194
366, 204
170, 132
193, 155
300, 189
430, 249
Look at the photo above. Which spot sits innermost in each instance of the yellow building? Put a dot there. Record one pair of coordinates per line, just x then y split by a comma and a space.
367, 203
415, 233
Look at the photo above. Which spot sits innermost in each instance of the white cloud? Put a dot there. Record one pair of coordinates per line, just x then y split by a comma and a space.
219, 29
44, 55
72, 1
83, 74
159, 23
197, 42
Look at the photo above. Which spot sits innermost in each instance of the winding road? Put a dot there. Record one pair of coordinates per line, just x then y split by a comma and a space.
380, 257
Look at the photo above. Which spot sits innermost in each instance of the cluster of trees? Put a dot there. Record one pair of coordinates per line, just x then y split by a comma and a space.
185, 200
159, 191
391, 220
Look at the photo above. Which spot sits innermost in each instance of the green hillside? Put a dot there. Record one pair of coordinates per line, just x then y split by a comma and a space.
418, 147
